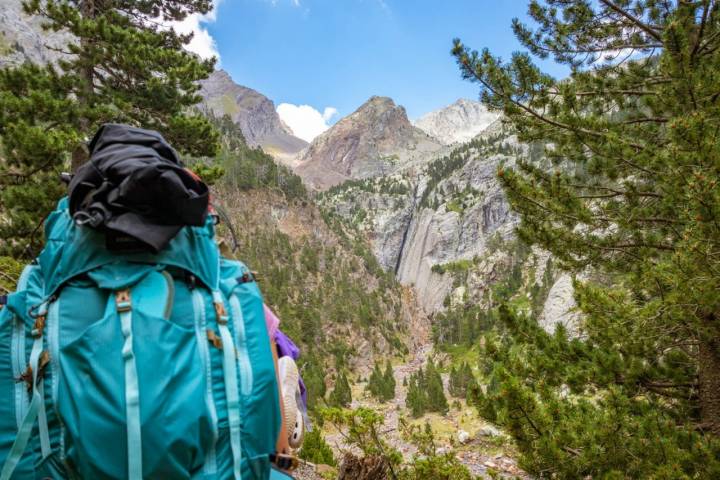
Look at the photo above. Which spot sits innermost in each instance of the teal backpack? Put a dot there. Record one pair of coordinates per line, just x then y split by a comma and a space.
139, 365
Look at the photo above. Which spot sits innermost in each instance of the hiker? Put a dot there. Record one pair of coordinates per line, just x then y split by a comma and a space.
132, 348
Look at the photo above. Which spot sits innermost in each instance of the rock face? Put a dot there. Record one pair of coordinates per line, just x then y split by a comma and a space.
445, 227
457, 123
376, 140
23, 39
252, 111
558, 308
444, 212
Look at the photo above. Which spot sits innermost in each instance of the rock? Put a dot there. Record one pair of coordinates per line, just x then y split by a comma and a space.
558, 308
23, 39
489, 431
463, 436
457, 123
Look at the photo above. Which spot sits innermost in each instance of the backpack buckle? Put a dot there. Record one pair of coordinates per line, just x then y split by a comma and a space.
214, 339
222, 316
122, 301
38, 326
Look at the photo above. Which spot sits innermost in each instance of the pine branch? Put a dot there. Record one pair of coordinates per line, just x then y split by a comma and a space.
642, 25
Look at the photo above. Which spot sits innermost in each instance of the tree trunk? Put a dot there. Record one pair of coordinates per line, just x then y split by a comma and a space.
80, 154
709, 373
367, 468
79, 157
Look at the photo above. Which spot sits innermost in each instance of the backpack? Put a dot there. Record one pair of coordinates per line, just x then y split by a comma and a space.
135, 365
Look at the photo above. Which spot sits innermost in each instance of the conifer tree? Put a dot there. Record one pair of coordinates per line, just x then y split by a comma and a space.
633, 199
376, 383
122, 64
437, 402
461, 381
425, 392
388, 382
314, 379
341, 396
454, 382
381, 385
416, 399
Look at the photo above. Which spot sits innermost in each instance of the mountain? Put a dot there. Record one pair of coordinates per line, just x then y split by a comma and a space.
252, 111
447, 229
457, 123
375, 140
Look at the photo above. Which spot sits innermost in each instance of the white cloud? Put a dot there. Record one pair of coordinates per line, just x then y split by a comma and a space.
202, 42
306, 122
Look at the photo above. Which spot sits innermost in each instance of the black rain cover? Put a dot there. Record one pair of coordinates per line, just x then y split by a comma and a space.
134, 185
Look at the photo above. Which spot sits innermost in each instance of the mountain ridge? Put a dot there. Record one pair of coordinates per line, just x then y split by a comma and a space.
252, 111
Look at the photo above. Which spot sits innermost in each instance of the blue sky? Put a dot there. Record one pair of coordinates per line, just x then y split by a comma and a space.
338, 53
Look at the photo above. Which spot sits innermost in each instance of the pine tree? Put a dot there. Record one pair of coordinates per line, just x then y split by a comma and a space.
454, 383
381, 385
631, 197
461, 381
437, 402
341, 396
469, 382
388, 382
425, 392
314, 379
376, 383
416, 399
120, 66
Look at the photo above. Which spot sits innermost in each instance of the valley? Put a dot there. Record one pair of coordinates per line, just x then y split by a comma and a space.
435, 220
498, 259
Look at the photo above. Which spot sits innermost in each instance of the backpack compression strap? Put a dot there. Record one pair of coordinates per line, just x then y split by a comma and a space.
210, 467
232, 391
132, 389
37, 405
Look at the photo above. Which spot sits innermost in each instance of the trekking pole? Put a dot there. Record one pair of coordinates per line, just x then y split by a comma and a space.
226, 218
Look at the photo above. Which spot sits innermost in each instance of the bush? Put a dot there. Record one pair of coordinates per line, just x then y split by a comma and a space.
315, 449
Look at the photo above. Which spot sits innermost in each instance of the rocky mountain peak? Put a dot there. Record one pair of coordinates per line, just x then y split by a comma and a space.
377, 101
375, 140
254, 113
457, 123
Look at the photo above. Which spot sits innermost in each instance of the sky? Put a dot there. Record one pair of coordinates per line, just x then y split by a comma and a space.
319, 60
